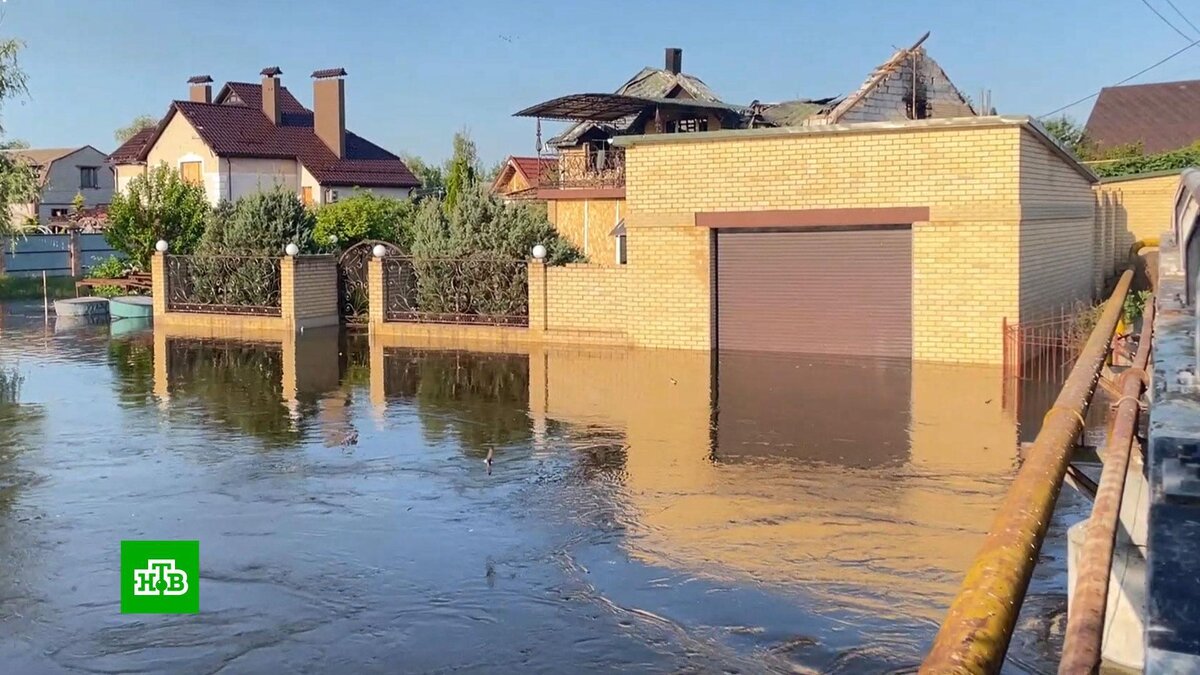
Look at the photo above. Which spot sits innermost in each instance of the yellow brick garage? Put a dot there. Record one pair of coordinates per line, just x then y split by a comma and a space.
1008, 236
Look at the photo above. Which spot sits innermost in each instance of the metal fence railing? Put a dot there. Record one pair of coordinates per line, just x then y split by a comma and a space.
223, 284
1045, 349
478, 289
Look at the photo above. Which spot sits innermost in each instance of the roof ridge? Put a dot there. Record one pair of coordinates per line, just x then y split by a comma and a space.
1149, 84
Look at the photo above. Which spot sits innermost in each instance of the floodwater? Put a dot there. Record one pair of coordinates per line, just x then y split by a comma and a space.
645, 511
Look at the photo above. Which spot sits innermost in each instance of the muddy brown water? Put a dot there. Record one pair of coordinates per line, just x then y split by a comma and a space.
645, 512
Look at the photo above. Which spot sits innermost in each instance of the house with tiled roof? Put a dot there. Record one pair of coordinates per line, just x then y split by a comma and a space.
252, 137
1159, 116
63, 173
520, 176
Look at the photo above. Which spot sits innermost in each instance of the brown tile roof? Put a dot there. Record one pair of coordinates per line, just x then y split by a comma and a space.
329, 72
130, 150
530, 167
1162, 116
235, 126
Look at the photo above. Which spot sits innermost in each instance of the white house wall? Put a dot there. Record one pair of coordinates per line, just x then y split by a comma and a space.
249, 175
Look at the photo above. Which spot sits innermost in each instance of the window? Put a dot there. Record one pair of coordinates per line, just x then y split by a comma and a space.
59, 213
306, 195
331, 196
687, 125
190, 172
89, 177
622, 250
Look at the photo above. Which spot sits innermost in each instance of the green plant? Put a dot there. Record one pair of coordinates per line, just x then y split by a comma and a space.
78, 203
157, 205
1135, 304
262, 223
140, 122
110, 268
364, 216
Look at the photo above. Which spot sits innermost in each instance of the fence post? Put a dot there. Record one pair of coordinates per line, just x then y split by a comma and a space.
375, 293
75, 250
158, 283
308, 291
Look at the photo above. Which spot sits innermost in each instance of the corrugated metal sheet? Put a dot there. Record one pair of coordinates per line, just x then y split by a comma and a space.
821, 291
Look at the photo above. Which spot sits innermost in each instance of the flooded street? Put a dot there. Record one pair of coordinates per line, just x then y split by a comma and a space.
645, 511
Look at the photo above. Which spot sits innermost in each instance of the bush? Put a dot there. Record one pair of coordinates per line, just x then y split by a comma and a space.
364, 216
110, 268
158, 205
469, 258
260, 224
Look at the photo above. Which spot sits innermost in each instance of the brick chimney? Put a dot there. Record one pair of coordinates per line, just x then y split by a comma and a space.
674, 63
270, 94
200, 89
329, 108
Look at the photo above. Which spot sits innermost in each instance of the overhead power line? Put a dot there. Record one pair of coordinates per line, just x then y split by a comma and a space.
1183, 16
1165, 20
1139, 73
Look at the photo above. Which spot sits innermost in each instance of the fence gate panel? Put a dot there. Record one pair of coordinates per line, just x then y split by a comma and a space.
353, 299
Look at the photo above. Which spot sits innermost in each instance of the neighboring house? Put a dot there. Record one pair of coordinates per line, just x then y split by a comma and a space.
520, 177
256, 136
585, 193
1161, 116
64, 173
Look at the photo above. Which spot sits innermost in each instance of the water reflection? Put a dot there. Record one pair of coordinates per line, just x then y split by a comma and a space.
647, 510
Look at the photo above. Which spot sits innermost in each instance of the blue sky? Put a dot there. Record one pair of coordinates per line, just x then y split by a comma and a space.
418, 71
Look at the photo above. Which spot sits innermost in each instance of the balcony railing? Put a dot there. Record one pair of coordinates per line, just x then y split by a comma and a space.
591, 167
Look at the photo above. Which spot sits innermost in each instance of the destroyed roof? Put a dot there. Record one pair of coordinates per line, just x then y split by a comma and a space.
649, 83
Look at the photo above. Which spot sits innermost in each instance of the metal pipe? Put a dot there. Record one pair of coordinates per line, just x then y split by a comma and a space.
975, 634
1085, 623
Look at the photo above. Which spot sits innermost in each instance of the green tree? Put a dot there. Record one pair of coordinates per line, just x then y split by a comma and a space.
15, 144
140, 122
1067, 132
431, 176
362, 216
462, 171
157, 205
263, 224
78, 203
18, 178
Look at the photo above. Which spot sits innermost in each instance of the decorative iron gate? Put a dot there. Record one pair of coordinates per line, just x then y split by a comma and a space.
353, 297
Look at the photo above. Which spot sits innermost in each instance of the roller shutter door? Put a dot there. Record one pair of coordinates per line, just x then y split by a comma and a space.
821, 291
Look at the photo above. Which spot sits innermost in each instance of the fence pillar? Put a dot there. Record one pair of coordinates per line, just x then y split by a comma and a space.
308, 291
75, 252
158, 283
538, 300
375, 293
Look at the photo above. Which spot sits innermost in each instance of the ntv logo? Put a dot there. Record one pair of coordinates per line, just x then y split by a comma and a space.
160, 577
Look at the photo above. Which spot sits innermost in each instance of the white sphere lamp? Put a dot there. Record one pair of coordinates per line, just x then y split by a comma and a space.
539, 252
291, 250
379, 251
161, 246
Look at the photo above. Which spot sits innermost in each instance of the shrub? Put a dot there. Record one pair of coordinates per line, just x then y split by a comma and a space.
158, 205
110, 268
364, 216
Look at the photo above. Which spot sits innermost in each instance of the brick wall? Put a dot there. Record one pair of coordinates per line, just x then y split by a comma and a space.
1127, 210
986, 226
589, 303
309, 292
1057, 232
